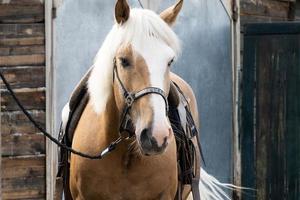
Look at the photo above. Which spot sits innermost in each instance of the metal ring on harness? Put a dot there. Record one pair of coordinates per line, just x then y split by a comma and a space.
129, 99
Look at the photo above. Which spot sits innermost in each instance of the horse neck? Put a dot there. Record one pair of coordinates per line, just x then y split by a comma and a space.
110, 119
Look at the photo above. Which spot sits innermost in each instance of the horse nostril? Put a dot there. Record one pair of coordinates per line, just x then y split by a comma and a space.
146, 138
170, 132
165, 142
149, 143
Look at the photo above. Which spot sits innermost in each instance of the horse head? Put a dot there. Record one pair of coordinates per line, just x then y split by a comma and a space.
142, 47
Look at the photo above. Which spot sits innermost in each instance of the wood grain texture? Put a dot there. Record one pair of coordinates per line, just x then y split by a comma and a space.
34, 59
271, 129
270, 8
26, 41
23, 177
22, 60
25, 76
16, 122
21, 13
256, 19
22, 30
22, 50
22, 2
22, 44
22, 144
32, 99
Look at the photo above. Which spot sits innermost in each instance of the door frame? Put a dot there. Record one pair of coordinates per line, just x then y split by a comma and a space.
51, 148
232, 8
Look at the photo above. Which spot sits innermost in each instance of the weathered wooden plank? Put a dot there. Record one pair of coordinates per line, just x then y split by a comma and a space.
35, 59
23, 50
247, 118
293, 119
32, 99
255, 18
34, 189
22, 30
271, 115
268, 8
22, 144
23, 166
264, 108
22, 2
24, 77
22, 41
16, 13
23, 177
12, 35
17, 122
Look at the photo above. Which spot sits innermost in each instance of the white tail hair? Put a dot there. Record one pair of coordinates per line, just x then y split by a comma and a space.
212, 189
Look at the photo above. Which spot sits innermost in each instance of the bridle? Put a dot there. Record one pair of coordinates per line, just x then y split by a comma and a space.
126, 124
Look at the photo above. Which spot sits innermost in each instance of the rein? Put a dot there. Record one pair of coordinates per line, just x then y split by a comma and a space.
104, 152
126, 124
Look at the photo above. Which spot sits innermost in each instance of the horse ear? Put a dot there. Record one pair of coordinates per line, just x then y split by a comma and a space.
170, 14
122, 11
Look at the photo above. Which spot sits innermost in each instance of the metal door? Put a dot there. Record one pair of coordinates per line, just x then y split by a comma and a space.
204, 26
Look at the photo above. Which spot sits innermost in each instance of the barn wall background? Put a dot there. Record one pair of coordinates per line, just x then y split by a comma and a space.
266, 10
252, 11
22, 59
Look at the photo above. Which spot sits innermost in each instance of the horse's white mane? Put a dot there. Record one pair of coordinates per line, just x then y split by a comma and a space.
142, 25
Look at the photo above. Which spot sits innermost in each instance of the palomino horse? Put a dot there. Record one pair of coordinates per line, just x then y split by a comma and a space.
139, 51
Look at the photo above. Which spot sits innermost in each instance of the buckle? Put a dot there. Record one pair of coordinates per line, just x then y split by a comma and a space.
129, 99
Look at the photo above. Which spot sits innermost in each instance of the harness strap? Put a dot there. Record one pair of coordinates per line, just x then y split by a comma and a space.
194, 138
130, 97
196, 178
153, 90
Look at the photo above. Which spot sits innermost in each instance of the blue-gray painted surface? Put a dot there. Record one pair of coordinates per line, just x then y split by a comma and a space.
204, 28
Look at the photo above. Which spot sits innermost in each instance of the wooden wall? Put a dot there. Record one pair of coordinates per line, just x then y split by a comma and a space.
271, 111
22, 59
252, 11
297, 11
266, 10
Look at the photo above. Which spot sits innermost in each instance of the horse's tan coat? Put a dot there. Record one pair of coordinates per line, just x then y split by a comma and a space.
131, 77
145, 177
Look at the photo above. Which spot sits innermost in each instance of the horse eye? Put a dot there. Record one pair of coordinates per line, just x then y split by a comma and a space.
170, 62
124, 62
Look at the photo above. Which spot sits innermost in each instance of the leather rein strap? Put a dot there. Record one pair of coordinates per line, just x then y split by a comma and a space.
126, 124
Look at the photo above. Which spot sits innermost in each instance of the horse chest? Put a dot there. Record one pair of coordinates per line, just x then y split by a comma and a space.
123, 176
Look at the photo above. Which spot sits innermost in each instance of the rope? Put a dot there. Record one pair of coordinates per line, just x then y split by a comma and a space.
110, 148
141, 4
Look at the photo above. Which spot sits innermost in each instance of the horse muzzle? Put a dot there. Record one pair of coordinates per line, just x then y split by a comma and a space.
154, 142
